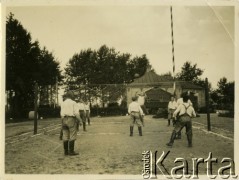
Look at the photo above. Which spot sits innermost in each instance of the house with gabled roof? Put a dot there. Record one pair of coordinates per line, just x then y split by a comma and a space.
159, 89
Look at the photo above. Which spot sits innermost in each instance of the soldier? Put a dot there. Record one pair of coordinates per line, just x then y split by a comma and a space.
87, 112
135, 112
81, 107
70, 119
186, 112
141, 96
172, 106
180, 101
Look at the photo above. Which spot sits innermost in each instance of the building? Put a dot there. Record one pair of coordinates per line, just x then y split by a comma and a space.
159, 89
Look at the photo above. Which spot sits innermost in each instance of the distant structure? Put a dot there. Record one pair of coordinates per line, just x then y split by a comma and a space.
159, 89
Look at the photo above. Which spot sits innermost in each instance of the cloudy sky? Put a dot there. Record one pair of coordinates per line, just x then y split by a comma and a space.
202, 34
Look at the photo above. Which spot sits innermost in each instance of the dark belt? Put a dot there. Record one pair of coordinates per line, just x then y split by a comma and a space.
135, 111
69, 116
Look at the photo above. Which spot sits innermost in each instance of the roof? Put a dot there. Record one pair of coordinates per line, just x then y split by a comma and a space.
150, 78
156, 93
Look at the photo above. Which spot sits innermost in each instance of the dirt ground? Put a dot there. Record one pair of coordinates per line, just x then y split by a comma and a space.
106, 148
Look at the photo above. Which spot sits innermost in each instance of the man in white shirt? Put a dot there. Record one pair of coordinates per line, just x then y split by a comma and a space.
135, 112
70, 120
186, 112
172, 106
179, 102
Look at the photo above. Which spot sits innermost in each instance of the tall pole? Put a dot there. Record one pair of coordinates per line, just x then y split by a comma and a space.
207, 105
174, 83
56, 90
35, 108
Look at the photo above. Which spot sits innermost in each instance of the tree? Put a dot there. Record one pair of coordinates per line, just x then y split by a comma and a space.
223, 96
25, 67
101, 70
189, 72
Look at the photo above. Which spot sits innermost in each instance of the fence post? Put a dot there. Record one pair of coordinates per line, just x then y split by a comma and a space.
35, 108
207, 105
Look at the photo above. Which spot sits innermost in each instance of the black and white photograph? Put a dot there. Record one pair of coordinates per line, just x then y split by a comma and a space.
119, 89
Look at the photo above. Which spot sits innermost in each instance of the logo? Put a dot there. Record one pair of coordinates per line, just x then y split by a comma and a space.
153, 166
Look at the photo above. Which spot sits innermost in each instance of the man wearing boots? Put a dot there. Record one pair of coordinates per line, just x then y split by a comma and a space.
186, 112
135, 112
172, 106
179, 102
70, 119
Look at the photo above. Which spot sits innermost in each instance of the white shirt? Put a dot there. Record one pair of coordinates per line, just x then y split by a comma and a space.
182, 110
69, 108
135, 107
141, 100
172, 105
81, 106
180, 101
87, 107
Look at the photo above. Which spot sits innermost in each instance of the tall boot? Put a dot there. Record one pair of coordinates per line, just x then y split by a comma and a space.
65, 145
71, 148
189, 137
168, 122
140, 131
172, 139
131, 130
178, 136
84, 126
61, 134
89, 121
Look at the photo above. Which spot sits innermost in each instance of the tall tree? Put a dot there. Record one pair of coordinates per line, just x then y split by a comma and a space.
25, 67
223, 96
190, 72
101, 69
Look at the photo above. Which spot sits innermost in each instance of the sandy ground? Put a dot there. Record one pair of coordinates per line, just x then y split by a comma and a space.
107, 148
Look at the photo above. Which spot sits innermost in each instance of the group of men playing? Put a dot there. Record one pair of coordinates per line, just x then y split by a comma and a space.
75, 112
179, 112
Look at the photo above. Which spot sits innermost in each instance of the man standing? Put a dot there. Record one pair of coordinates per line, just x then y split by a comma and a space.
70, 120
87, 111
179, 102
172, 106
141, 96
81, 106
135, 112
186, 112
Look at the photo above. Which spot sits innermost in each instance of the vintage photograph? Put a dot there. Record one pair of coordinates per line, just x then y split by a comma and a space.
139, 90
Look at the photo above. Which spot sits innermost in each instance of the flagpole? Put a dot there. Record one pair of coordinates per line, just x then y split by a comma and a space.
173, 60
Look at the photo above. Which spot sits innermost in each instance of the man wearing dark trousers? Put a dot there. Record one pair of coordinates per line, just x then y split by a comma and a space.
135, 112
81, 106
70, 121
186, 112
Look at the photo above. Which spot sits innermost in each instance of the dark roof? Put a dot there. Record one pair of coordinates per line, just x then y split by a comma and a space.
156, 93
188, 85
150, 78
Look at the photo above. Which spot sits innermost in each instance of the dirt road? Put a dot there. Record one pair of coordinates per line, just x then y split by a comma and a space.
107, 148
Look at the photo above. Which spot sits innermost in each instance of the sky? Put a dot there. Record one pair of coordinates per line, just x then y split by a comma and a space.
203, 35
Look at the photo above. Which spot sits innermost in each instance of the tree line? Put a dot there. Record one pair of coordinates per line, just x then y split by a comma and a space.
26, 64
92, 72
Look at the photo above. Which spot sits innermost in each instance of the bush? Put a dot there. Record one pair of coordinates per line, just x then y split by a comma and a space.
109, 111
161, 113
46, 111
204, 110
